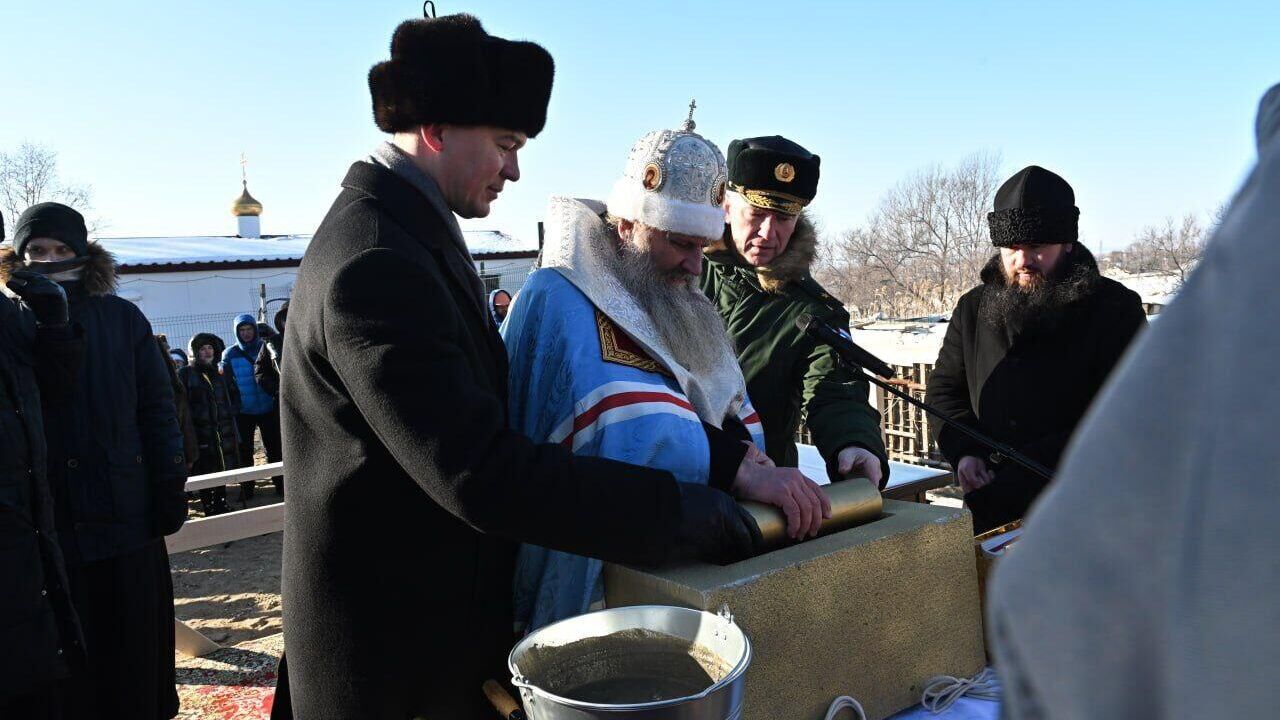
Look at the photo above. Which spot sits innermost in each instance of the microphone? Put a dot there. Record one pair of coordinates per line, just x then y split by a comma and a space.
844, 345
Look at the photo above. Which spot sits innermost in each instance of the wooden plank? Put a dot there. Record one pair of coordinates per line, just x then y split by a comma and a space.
218, 529
231, 477
192, 642
916, 489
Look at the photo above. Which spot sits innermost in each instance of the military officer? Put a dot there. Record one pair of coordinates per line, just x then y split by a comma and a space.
758, 277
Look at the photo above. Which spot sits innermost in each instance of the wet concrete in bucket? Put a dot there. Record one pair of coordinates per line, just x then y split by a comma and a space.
630, 666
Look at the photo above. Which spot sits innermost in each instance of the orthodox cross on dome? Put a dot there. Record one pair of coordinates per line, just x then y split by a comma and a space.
245, 205
689, 124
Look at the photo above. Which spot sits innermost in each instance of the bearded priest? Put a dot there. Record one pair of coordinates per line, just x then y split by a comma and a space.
616, 353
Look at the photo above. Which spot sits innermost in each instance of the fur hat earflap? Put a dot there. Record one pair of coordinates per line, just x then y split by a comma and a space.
449, 70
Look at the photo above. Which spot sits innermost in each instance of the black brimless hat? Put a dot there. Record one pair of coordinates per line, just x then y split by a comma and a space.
52, 220
449, 70
1034, 207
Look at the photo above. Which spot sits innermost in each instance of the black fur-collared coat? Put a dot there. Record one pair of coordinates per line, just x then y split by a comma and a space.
408, 490
115, 448
1028, 387
117, 470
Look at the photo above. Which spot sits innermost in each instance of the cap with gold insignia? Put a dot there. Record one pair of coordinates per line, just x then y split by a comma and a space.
773, 173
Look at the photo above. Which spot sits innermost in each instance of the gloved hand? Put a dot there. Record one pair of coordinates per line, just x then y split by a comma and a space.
170, 513
170, 510
714, 527
46, 298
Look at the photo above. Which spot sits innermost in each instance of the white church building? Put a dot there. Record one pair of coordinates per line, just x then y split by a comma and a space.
190, 284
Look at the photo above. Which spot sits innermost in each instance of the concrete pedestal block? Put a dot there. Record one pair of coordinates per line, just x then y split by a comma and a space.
871, 612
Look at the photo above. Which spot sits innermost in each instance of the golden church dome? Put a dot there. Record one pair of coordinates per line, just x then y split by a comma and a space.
245, 204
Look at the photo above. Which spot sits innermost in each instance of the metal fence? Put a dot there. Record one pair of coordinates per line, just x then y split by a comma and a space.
904, 427
180, 328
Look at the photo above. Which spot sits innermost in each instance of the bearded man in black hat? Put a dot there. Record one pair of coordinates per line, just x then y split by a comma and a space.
1027, 350
758, 277
408, 490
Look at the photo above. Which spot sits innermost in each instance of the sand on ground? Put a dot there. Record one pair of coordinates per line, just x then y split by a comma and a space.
231, 592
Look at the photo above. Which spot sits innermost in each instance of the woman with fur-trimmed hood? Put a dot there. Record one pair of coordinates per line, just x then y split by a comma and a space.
213, 398
758, 277
117, 471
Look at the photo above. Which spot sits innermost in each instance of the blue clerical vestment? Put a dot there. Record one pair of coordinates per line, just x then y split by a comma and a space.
579, 380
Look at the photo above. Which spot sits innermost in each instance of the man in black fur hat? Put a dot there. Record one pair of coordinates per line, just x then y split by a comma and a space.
1027, 349
408, 489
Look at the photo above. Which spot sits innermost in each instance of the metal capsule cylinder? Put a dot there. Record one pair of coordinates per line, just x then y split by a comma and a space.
853, 502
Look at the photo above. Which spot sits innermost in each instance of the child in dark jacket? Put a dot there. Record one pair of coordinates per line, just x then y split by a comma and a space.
213, 398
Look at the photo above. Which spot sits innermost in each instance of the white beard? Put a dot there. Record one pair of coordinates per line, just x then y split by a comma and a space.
683, 333
685, 319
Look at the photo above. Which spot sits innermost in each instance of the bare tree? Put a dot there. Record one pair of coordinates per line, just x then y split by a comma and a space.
29, 175
922, 247
1172, 247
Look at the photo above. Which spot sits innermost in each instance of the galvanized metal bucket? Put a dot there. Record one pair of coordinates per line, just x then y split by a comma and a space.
716, 633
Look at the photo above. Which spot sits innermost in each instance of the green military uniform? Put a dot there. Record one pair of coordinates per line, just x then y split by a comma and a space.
790, 376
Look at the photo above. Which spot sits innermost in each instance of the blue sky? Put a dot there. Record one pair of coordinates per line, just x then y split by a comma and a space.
1146, 108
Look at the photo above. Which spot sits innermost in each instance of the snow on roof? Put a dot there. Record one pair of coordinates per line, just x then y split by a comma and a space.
224, 249
493, 242
205, 249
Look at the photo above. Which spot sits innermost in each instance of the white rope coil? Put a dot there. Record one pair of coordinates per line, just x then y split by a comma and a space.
942, 691
844, 702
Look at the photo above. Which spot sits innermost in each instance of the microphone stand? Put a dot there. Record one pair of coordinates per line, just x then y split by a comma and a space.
1002, 450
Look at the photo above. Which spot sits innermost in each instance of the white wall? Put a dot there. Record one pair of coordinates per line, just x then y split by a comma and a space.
183, 303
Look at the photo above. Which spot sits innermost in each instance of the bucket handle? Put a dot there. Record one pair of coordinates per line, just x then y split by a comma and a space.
520, 682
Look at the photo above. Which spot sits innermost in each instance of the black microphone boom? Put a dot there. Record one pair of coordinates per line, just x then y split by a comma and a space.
851, 354
844, 345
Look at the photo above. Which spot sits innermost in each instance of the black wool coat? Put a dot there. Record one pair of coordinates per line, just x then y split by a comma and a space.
38, 627
407, 488
1029, 390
